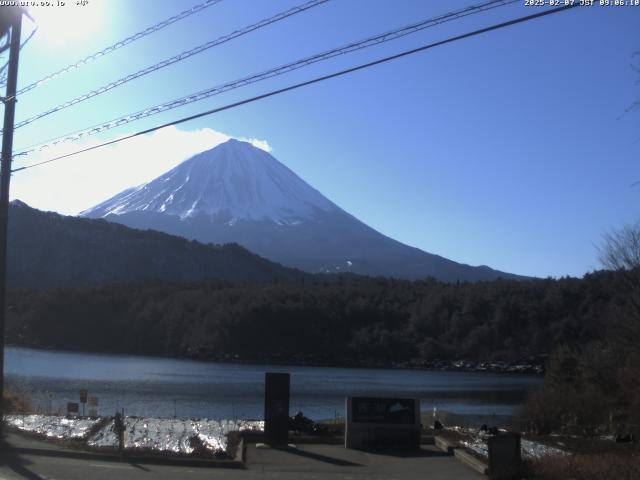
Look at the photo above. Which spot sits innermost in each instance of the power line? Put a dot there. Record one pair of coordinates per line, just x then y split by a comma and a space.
177, 58
282, 69
3, 69
310, 82
121, 43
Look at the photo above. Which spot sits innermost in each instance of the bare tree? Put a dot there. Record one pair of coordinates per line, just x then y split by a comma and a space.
621, 248
620, 251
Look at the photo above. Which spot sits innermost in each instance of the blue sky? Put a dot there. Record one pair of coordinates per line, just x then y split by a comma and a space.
510, 149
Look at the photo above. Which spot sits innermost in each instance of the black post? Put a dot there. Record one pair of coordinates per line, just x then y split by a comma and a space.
5, 178
276, 409
119, 428
505, 458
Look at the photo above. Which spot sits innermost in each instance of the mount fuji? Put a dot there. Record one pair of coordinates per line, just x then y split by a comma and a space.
236, 192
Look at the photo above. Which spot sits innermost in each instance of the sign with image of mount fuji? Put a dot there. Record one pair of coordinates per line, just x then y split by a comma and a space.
383, 410
374, 422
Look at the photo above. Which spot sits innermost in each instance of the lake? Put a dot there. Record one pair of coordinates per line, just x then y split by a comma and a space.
163, 387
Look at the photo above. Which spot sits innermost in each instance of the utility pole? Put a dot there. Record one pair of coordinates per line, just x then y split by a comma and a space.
13, 18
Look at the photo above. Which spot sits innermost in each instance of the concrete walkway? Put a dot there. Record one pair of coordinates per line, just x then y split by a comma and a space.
318, 461
36, 460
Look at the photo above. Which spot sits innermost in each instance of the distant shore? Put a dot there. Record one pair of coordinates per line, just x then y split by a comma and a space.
527, 366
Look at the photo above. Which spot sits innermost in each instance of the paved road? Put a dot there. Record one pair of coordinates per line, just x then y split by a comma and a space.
35, 460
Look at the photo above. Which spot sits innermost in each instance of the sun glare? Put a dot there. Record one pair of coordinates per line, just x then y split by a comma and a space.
61, 23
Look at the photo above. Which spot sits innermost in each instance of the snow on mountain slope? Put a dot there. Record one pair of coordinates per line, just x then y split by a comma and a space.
234, 180
236, 192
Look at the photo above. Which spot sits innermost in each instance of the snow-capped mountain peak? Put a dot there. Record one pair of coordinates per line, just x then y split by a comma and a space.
238, 193
234, 180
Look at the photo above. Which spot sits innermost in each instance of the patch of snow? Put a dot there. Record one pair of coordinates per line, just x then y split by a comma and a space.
530, 450
159, 434
172, 435
477, 446
536, 450
116, 210
52, 426
191, 210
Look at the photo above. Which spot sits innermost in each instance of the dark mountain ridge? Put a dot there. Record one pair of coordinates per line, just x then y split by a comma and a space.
46, 250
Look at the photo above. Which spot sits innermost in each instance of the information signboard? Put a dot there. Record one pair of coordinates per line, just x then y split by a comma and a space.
375, 422
398, 411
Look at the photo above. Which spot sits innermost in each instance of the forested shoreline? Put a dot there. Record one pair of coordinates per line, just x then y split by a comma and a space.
343, 321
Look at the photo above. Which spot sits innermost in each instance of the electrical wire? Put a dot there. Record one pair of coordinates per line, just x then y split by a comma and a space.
3, 70
121, 43
177, 58
309, 82
216, 90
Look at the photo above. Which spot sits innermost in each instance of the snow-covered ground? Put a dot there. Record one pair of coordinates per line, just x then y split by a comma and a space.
172, 435
158, 434
52, 426
530, 450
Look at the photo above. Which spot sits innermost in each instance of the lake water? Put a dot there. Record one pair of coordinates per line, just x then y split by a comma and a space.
163, 387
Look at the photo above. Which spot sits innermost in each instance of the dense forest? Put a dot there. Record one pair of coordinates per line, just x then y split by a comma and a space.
346, 320
48, 250
587, 330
